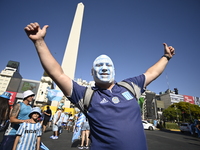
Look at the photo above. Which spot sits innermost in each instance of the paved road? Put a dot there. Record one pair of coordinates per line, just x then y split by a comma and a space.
62, 143
156, 140
171, 140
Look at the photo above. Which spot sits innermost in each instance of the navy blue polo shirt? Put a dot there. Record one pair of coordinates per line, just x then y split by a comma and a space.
114, 117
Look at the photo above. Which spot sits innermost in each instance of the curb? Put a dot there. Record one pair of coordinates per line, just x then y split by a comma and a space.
168, 129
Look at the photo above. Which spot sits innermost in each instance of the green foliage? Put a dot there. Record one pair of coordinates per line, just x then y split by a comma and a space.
169, 125
182, 111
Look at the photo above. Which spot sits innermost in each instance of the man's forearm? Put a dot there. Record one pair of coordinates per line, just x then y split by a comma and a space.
48, 62
16, 121
52, 67
158, 67
156, 70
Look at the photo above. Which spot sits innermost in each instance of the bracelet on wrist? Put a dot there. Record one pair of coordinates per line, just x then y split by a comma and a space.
168, 58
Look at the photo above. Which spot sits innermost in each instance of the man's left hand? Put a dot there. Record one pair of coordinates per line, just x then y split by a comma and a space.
169, 50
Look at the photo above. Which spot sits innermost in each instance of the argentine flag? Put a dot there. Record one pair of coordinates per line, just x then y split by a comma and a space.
54, 95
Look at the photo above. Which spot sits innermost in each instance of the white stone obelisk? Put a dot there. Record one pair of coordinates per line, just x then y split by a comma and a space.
71, 51
69, 59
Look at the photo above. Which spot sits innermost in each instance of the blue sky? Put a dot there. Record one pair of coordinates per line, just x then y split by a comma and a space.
131, 32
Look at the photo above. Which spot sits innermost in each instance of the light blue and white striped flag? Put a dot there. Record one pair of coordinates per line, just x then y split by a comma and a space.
54, 95
77, 131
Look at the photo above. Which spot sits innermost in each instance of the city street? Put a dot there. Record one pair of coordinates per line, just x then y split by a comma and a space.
156, 140
171, 140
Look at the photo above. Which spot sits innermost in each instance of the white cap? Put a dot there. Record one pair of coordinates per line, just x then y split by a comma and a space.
35, 110
27, 94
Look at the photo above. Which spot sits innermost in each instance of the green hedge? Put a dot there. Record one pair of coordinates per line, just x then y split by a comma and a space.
169, 125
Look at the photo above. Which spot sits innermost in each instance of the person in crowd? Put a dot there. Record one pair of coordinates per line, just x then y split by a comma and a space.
28, 136
111, 105
197, 128
70, 124
70, 114
4, 110
19, 114
62, 117
85, 135
47, 115
75, 120
50, 121
192, 127
77, 131
65, 120
56, 123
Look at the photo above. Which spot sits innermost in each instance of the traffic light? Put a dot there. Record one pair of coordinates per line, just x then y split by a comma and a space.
176, 90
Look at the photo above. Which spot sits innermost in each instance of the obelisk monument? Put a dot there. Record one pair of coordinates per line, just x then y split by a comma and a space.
71, 51
69, 59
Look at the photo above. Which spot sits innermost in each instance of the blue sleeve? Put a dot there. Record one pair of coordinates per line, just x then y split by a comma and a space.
138, 80
78, 92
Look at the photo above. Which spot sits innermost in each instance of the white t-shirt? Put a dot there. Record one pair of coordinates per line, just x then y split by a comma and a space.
62, 116
55, 118
65, 118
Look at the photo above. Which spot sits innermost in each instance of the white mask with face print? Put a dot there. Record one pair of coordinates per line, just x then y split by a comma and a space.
103, 69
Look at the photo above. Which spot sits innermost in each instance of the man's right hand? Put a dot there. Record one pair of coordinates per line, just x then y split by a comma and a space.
34, 32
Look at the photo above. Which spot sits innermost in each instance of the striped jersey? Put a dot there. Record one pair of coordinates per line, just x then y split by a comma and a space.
28, 133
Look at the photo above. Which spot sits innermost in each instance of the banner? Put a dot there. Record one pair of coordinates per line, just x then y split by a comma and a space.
176, 98
28, 85
12, 98
54, 95
197, 101
189, 99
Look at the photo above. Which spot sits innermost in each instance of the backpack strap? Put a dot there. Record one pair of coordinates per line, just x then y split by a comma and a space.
87, 98
135, 90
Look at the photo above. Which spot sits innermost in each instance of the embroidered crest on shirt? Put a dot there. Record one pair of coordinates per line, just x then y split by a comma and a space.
103, 101
115, 100
127, 95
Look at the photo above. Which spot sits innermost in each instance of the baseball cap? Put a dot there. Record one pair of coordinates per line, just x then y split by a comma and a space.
6, 95
35, 110
27, 94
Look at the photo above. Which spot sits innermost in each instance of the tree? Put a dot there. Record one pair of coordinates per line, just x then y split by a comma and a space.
182, 111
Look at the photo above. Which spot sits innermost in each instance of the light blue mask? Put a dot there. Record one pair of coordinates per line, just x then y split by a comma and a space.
103, 69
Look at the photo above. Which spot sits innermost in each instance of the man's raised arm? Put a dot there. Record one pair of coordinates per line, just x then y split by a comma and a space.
50, 65
156, 70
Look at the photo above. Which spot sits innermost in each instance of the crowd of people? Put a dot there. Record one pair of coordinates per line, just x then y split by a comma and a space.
25, 125
24, 130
